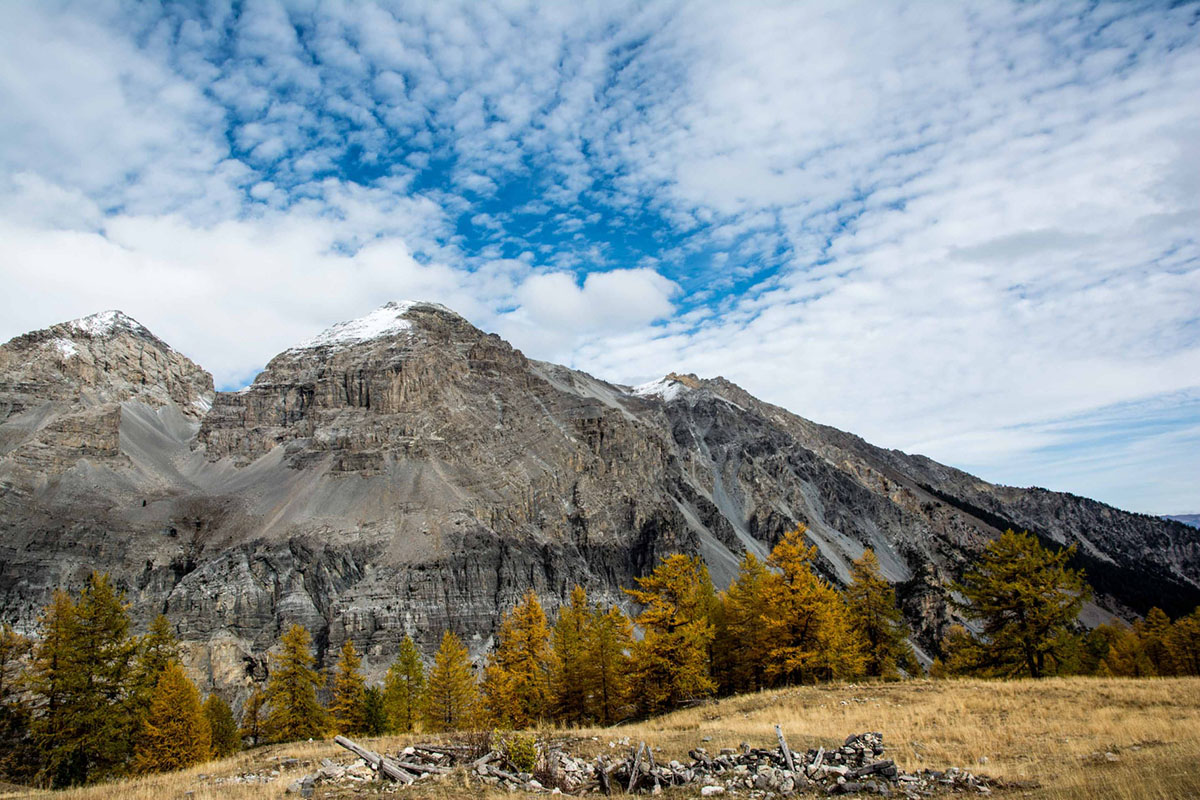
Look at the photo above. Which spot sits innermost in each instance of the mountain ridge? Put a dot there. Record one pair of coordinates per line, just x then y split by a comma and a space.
422, 477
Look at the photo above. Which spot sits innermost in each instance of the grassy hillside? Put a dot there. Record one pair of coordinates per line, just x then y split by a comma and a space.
1044, 739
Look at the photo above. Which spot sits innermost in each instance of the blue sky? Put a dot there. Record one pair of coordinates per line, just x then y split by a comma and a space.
966, 230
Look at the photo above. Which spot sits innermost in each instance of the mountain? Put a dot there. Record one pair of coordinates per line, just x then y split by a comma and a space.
406, 473
1186, 519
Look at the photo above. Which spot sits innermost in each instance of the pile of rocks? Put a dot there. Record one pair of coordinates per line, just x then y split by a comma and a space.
857, 767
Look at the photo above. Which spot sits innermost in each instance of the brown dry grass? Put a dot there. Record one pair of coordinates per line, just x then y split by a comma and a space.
1039, 738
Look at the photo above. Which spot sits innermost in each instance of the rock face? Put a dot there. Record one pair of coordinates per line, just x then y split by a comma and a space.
408, 473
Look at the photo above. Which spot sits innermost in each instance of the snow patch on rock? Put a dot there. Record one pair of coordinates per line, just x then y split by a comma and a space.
104, 323
66, 348
385, 321
665, 388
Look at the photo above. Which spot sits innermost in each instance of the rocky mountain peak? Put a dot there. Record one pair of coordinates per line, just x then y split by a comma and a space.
106, 323
103, 358
389, 320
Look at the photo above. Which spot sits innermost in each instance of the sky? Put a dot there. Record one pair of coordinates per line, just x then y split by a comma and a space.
968, 230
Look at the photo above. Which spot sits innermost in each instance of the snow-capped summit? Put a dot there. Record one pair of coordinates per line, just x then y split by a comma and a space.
666, 389
104, 323
387, 320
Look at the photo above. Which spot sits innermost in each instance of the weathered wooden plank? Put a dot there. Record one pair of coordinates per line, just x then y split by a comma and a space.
383, 765
787, 754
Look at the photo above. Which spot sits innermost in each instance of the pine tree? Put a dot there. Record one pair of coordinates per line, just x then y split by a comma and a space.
807, 624
86, 718
744, 643
607, 646
670, 663
291, 693
404, 687
569, 684
225, 738
348, 687
176, 732
523, 653
253, 725
875, 619
375, 719
451, 695
1027, 599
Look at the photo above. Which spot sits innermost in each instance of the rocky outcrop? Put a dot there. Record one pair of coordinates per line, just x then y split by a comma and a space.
406, 473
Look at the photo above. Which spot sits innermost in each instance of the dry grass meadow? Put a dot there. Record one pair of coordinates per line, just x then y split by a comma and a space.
1044, 739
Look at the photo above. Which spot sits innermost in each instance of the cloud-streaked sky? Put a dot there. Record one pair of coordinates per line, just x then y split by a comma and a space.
970, 230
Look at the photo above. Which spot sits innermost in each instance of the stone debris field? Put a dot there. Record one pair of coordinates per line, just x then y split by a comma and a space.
858, 767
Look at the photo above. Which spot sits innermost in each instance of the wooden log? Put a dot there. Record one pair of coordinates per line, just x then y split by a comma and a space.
413, 767
787, 754
633, 772
383, 765
602, 777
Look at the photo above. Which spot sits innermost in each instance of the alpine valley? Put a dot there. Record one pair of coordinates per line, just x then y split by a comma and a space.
408, 473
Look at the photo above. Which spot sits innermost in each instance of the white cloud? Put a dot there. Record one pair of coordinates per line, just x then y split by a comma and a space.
942, 226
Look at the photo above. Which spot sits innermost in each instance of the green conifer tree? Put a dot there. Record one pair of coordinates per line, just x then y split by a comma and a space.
291, 693
375, 719
224, 730
176, 731
875, 619
253, 724
1027, 599
404, 687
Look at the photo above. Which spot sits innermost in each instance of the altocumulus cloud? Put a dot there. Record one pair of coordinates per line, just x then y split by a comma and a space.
968, 230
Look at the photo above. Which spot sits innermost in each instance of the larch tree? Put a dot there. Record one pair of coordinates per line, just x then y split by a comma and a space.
606, 647
569, 666
1155, 631
155, 650
348, 687
86, 719
1026, 599
807, 624
176, 731
744, 644
253, 724
1184, 641
404, 687
451, 695
523, 654
670, 663
498, 700
875, 619
17, 757
291, 694
224, 730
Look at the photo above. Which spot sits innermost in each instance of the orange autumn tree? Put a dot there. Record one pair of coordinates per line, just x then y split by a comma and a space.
176, 732
670, 663
806, 624
517, 678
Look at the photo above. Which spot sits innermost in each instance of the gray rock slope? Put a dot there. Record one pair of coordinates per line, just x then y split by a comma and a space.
409, 473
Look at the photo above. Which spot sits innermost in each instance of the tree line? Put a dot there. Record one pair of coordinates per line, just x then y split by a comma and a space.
89, 701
